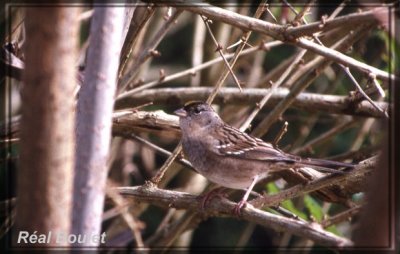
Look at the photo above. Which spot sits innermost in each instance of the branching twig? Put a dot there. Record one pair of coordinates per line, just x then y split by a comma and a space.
304, 11
195, 69
166, 237
219, 49
338, 57
372, 79
359, 88
128, 218
290, 34
270, 13
298, 190
245, 37
147, 52
317, 65
275, 85
346, 69
141, 16
341, 217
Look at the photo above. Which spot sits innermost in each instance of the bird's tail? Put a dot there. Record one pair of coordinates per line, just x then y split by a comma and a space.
325, 165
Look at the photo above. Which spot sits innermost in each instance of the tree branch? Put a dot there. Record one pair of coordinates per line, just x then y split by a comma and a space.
333, 104
281, 32
149, 193
349, 178
94, 113
222, 207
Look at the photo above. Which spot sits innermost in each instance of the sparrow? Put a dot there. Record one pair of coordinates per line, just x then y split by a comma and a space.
232, 158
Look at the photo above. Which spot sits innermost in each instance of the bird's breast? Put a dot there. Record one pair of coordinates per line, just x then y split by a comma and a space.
222, 170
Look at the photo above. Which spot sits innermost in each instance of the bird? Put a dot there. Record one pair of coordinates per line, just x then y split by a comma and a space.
232, 158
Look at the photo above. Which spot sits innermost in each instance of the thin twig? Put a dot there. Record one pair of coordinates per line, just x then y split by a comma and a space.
372, 79
160, 150
245, 37
330, 24
362, 134
195, 69
240, 41
292, 34
143, 14
311, 121
345, 69
300, 189
357, 155
314, 68
128, 218
219, 49
148, 51
354, 81
275, 85
270, 13
343, 125
157, 178
341, 217
280, 134
245, 236
287, 213
167, 235
198, 48
14, 29
338, 10
301, 15
341, 58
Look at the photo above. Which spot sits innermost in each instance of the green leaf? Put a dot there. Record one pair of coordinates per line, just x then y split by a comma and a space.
287, 204
313, 208
333, 230
393, 50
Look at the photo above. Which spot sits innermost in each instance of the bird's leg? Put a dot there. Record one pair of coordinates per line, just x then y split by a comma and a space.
219, 191
242, 203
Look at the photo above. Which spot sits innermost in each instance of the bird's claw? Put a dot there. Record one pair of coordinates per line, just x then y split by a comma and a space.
238, 207
218, 192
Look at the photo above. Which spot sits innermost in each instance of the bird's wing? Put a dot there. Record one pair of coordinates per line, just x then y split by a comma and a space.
241, 145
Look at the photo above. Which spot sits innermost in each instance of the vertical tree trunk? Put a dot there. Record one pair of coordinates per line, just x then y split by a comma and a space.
375, 224
95, 106
47, 125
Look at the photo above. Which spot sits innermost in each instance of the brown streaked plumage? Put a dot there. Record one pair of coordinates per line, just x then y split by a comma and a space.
232, 158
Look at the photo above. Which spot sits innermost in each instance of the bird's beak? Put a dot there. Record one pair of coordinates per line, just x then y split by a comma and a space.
180, 112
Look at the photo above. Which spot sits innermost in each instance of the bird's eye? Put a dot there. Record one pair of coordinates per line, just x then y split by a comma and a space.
197, 111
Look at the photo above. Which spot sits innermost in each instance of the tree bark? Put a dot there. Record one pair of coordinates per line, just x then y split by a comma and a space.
47, 125
95, 106
376, 222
